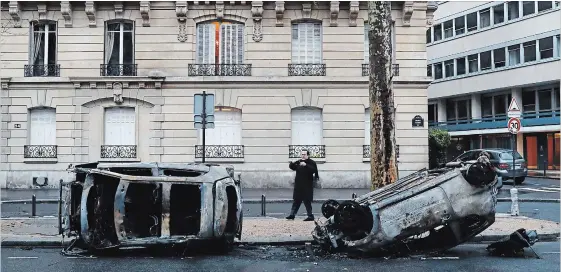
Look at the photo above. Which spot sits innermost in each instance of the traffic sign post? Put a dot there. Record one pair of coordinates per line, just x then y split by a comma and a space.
514, 125
204, 115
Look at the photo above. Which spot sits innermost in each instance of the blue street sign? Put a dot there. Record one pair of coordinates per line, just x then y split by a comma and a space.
209, 110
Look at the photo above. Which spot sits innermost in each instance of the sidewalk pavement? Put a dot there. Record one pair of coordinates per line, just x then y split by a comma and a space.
550, 174
260, 230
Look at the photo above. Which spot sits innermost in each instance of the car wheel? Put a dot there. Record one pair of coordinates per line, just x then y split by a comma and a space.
519, 180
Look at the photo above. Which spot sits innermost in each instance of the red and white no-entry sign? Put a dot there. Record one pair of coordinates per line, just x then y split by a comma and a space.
514, 125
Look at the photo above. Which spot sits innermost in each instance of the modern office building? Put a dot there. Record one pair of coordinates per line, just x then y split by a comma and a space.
115, 82
483, 54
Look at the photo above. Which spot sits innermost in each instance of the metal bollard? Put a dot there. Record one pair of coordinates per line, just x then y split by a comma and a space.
353, 196
514, 208
60, 208
263, 205
33, 205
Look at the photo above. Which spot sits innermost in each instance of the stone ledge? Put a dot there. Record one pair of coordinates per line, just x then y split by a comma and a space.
221, 160
40, 160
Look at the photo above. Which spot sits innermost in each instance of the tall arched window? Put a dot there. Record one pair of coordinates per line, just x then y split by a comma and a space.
119, 49
43, 48
220, 43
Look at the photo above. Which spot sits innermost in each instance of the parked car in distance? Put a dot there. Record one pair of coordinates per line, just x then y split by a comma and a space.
502, 161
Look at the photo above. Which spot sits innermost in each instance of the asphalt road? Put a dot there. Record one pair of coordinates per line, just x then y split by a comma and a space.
467, 257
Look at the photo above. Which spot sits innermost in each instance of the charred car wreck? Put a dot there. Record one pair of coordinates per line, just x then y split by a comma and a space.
427, 211
118, 205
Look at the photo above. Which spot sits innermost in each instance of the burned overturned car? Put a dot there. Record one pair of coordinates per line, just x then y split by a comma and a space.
427, 211
120, 205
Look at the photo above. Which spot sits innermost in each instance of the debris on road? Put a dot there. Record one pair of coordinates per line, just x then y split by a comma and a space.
514, 244
122, 205
427, 211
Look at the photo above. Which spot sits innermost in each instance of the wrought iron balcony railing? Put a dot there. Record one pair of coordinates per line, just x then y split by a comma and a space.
219, 69
220, 151
366, 151
40, 151
45, 70
118, 151
366, 69
118, 69
306, 69
315, 151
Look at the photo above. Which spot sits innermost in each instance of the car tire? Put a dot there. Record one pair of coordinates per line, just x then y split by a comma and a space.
519, 180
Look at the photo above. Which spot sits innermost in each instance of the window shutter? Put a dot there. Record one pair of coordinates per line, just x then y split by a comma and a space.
120, 126
205, 43
43, 127
307, 127
306, 43
231, 43
366, 43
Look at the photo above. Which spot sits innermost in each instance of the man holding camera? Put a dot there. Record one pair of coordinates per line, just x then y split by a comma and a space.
303, 184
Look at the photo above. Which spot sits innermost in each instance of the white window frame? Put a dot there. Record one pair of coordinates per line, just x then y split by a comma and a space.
45, 32
225, 118
42, 126
121, 33
299, 47
112, 141
300, 118
552, 48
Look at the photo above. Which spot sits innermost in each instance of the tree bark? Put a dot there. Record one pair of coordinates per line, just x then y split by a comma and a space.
383, 162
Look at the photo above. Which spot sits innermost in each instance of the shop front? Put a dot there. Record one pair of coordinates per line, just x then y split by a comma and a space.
542, 151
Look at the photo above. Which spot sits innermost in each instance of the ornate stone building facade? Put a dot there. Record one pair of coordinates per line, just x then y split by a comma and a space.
115, 81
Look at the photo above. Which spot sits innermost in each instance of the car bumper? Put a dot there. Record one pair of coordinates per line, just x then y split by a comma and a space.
509, 174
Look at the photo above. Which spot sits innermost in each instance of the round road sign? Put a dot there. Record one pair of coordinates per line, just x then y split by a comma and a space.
514, 125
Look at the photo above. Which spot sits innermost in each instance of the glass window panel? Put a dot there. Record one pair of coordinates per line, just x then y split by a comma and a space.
529, 101
429, 70
529, 51
437, 33
438, 70
127, 26
448, 29
460, 25
472, 22
52, 48
38, 53
450, 110
556, 97
486, 106
432, 113
113, 27
499, 57
544, 5
128, 48
461, 66
473, 63
544, 100
463, 109
484, 18
485, 60
528, 7
546, 48
513, 10
428, 33
498, 14
500, 104
514, 55
449, 68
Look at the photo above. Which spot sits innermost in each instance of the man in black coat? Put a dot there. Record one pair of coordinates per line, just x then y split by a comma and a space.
303, 184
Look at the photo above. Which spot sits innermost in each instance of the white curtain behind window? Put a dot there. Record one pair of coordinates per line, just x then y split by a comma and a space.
206, 43
231, 43
306, 43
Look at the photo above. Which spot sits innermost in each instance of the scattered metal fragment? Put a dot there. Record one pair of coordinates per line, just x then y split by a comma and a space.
514, 244
427, 211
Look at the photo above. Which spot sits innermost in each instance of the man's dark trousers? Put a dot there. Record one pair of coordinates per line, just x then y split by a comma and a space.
296, 206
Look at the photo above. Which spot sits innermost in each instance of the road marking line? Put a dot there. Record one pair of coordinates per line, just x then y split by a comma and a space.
23, 257
551, 188
550, 252
537, 190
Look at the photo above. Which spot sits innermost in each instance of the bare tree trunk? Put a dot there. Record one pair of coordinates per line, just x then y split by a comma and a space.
382, 141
